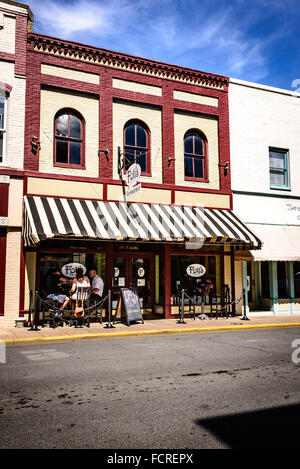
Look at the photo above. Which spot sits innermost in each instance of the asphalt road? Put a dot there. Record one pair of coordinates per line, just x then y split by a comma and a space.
196, 390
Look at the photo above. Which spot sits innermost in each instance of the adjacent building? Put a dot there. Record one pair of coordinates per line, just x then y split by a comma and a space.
15, 20
265, 169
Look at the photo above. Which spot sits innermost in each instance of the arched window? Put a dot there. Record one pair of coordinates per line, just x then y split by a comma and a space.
137, 146
195, 156
69, 139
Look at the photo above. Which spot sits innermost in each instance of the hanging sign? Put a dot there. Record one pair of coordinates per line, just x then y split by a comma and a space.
134, 190
69, 270
133, 175
195, 270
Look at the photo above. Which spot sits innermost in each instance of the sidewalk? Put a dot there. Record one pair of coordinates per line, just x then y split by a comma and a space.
15, 335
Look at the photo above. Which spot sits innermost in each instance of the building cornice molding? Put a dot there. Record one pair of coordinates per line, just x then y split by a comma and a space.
71, 50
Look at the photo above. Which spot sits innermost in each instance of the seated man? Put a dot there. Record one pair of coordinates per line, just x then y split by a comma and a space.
97, 286
52, 284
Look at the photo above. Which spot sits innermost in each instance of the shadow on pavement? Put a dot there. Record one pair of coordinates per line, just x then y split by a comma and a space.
276, 427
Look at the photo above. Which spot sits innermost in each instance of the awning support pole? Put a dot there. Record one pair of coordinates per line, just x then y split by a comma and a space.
245, 292
291, 285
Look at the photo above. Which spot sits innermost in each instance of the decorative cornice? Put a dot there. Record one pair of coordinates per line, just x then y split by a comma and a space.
94, 55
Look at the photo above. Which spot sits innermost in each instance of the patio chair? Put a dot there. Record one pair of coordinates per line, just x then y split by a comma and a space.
82, 302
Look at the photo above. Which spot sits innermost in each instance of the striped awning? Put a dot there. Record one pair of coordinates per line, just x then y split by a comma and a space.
49, 217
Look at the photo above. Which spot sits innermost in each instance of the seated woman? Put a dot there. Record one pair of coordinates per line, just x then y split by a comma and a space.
52, 284
80, 280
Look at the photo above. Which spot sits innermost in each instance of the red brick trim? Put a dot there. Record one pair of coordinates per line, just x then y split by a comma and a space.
3, 237
32, 111
116, 58
4, 193
7, 57
106, 125
168, 147
5, 87
20, 47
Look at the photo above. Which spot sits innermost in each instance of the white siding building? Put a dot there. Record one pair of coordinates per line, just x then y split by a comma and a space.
265, 169
15, 20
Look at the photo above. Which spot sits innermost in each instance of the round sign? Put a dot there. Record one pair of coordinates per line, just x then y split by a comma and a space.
116, 272
141, 272
69, 270
195, 270
133, 174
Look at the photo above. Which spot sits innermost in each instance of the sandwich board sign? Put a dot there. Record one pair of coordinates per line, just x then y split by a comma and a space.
129, 303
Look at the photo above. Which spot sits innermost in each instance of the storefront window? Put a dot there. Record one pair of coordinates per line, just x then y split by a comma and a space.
265, 282
282, 280
180, 279
50, 261
297, 279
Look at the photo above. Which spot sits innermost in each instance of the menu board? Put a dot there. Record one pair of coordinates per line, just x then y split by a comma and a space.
129, 304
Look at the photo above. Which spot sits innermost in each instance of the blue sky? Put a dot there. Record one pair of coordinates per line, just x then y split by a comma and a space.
256, 40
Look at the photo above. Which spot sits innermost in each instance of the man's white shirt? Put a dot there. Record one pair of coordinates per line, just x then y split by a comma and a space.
98, 284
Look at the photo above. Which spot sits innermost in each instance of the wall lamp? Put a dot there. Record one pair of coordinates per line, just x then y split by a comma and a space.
170, 160
105, 151
225, 166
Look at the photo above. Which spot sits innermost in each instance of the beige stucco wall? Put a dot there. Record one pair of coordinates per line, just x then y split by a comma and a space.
7, 34
30, 269
155, 196
137, 87
122, 113
238, 284
15, 202
209, 127
12, 277
88, 107
203, 199
70, 74
195, 98
61, 188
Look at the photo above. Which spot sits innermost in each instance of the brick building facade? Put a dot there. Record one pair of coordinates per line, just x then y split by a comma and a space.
90, 111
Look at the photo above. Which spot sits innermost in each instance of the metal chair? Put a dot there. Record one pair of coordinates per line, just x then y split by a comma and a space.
82, 302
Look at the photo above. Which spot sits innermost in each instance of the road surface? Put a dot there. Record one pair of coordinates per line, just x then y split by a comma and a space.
227, 389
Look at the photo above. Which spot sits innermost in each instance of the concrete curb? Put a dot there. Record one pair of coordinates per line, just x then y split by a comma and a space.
149, 332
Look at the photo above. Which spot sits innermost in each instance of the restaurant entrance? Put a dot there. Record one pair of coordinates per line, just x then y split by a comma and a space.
135, 270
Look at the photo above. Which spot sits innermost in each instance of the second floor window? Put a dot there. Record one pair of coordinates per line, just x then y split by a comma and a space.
3, 102
69, 139
279, 168
195, 156
137, 146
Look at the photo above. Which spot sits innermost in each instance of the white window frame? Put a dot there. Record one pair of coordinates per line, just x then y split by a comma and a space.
3, 130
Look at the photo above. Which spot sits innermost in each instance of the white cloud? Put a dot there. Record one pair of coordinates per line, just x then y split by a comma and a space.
210, 33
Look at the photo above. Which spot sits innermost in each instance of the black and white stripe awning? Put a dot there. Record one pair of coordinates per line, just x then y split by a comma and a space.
48, 217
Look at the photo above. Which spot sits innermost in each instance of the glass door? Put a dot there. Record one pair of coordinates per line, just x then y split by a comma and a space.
134, 270
142, 278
